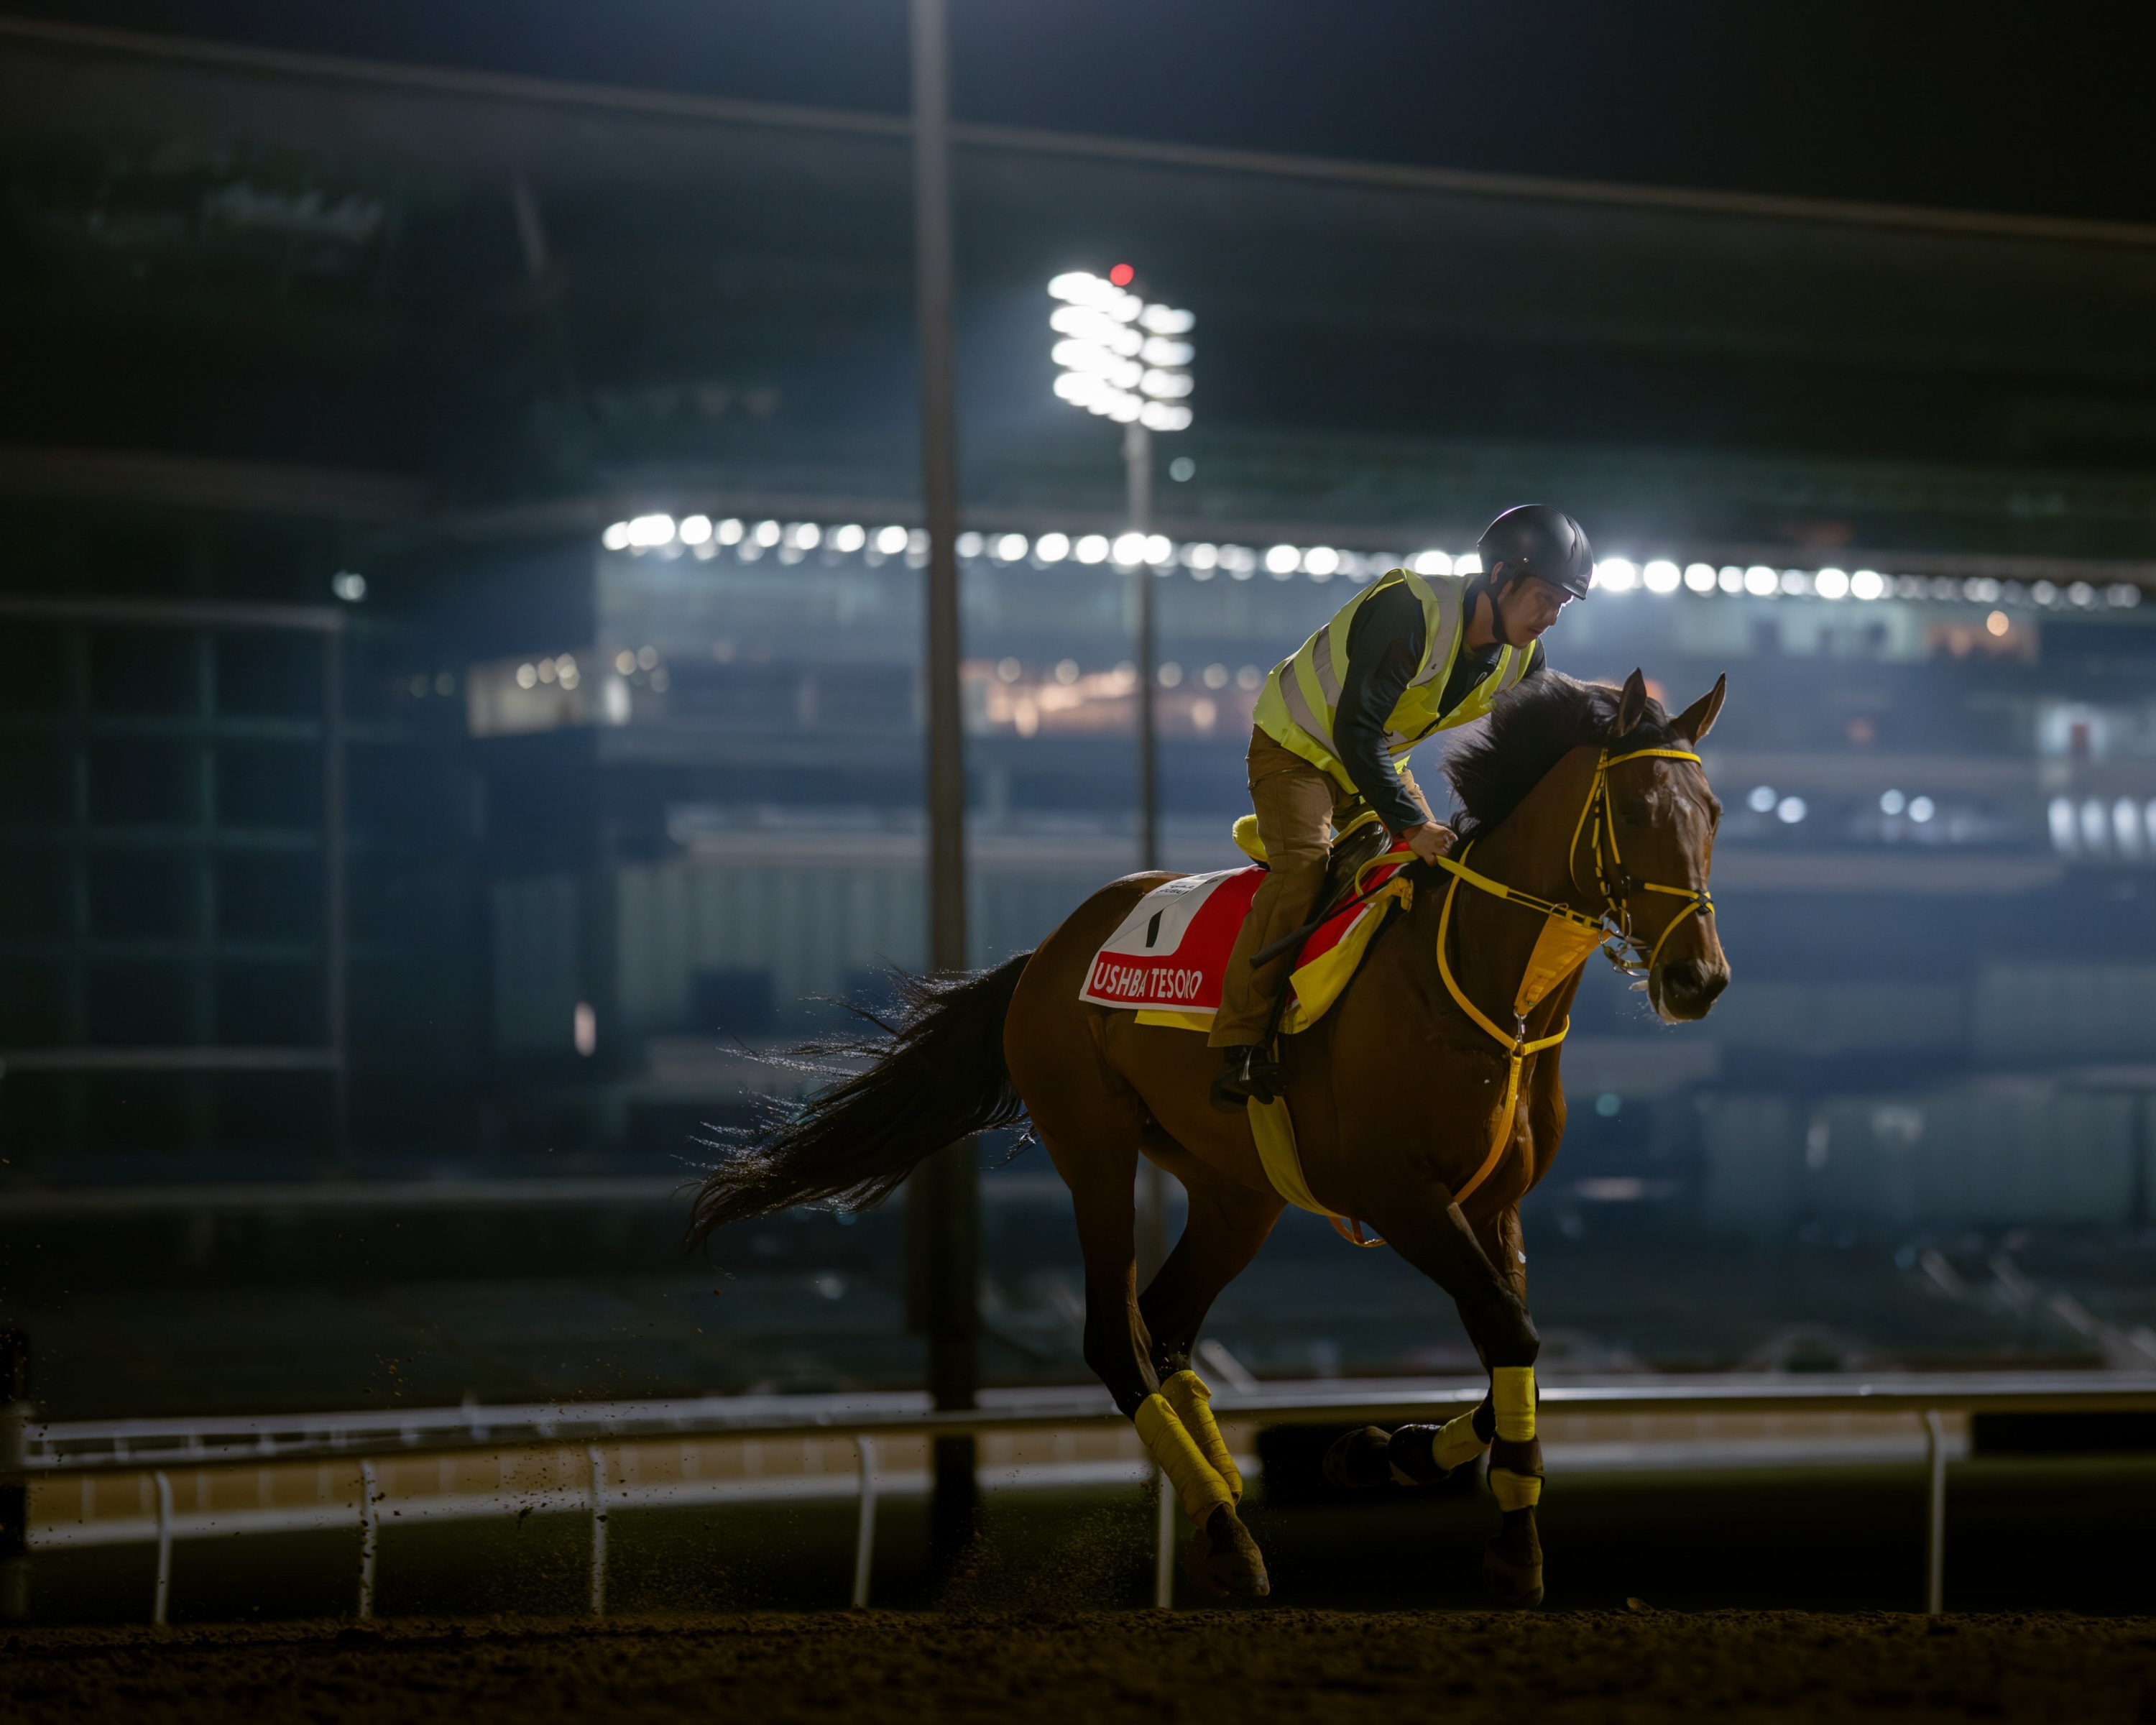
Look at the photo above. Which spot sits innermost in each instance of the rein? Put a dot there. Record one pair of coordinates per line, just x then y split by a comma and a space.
1577, 933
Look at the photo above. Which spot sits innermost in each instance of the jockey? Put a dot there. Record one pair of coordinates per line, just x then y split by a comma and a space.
1407, 655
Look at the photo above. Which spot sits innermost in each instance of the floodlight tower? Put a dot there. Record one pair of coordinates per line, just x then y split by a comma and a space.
1127, 361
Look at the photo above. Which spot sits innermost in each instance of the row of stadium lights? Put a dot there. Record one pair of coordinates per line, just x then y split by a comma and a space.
2124, 829
702, 537
1762, 799
1663, 577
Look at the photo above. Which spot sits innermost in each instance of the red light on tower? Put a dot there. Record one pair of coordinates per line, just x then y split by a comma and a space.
1122, 275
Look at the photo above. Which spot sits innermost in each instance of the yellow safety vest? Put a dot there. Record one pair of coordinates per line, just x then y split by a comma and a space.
1301, 697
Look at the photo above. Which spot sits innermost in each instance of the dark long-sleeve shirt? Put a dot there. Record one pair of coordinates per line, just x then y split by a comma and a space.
1385, 645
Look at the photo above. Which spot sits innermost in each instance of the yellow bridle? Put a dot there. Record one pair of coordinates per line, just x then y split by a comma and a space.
1567, 934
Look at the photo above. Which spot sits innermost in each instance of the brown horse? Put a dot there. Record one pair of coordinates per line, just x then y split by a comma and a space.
1423, 1103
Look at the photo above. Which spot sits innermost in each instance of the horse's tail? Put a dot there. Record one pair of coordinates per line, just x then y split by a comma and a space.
940, 1077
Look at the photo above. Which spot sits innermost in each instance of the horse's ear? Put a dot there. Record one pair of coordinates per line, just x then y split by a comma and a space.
1631, 707
1695, 721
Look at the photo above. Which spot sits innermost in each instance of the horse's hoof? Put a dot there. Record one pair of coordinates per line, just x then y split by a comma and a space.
1223, 1559
1359, 1460
1516, 1585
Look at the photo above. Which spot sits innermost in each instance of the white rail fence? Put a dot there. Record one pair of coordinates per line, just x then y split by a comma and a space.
33, 1451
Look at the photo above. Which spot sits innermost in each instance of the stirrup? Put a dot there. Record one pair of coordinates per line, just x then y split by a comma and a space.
1247, 1075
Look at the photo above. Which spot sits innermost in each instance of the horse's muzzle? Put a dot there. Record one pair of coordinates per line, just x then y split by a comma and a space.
1686, 988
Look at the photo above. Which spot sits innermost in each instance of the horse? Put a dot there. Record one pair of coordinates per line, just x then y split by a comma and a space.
1425, 1104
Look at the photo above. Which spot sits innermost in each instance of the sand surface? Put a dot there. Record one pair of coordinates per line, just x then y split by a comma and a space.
1247, 1668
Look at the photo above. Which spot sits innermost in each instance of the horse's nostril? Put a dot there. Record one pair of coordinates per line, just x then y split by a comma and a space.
1692, 983
1702, 983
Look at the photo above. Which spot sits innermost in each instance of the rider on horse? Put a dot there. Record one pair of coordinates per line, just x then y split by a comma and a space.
1411, 654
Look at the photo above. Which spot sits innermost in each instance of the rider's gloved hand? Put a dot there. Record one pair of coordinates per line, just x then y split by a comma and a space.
1429, 841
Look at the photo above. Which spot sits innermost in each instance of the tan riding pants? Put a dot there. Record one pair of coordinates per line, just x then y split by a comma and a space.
1298, 808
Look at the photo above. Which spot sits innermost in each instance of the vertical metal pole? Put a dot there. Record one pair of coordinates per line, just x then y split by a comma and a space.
164, 1550
1163, 1553
865, 1534
1137, 489
15, 1415
599, 1530
333, 894
1935, 1553
936, 291
368, 1524
943, 1196
1137, 486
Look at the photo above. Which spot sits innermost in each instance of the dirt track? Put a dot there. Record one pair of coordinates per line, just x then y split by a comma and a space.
1249, 1667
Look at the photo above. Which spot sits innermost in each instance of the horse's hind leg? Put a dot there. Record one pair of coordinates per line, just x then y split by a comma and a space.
1102, 1197
1426, 1227
1120, 1349
1223, 1229
1225, 1226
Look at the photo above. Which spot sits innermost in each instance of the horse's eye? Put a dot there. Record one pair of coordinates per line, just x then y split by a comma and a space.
1637, 810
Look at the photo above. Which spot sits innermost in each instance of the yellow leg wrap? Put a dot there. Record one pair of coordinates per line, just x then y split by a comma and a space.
1192, 1402
1513, 1389
1458, 1444
1515, 1490
1198, 1487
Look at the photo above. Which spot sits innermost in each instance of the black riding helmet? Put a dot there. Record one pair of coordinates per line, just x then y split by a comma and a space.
1536, 540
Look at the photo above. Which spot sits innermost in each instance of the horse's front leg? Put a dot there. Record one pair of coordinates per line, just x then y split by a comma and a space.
1513, 1561
1427, 1229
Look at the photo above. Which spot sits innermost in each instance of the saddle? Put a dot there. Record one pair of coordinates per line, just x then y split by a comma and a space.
1168, 957
1364, 840
1361, 841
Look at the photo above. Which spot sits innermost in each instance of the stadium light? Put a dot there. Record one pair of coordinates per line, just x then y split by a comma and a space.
1119, 357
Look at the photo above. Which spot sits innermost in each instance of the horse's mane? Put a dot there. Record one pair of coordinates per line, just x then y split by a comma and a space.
1532, 727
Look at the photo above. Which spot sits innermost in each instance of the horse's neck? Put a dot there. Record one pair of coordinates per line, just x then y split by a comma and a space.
1531, 851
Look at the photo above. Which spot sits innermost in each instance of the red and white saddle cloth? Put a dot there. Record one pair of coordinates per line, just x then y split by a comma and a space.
1167, 958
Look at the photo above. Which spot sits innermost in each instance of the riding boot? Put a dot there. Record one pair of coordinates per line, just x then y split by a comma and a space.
1247, 1073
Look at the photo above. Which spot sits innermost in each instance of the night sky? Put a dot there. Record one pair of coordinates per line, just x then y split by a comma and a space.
2035, 110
